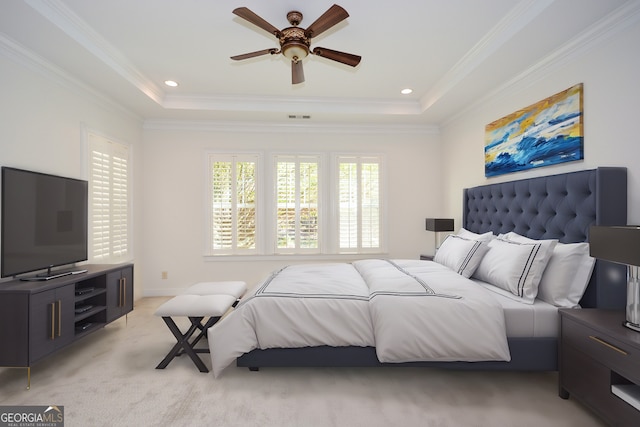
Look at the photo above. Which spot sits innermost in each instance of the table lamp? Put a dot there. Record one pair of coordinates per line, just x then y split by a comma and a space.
437, 225
621, 244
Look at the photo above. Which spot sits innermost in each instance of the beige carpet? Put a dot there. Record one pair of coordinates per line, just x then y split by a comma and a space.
108, 379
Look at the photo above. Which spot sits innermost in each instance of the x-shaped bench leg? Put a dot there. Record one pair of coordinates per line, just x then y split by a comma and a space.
183, 342
203, 330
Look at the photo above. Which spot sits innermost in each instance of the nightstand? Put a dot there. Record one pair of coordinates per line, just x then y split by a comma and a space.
426, 257
599, 363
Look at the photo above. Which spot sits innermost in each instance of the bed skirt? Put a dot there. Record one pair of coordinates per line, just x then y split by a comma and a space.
527, 354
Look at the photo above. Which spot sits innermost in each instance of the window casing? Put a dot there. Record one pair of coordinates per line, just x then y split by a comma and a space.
233, 191
297, 204
109, 200
359, 204
294, 204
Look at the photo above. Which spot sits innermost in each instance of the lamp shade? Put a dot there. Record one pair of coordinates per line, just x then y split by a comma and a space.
439, 224
619, 244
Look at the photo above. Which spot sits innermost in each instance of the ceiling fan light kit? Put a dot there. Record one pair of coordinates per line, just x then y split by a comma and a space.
295, 42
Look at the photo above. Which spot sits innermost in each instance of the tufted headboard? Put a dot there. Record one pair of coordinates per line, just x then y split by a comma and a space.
559, 207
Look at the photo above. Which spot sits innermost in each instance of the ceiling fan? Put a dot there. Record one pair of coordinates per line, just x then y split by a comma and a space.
295, 42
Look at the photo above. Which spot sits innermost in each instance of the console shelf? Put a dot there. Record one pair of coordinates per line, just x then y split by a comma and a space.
39, 318
92, 328
82, 297
599, 363
86, 314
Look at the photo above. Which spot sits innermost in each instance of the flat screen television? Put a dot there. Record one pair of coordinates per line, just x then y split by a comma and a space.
44, 223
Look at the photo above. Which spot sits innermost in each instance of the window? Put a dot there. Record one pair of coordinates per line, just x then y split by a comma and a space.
283, 209
233, 191
297, 203
109, 212
359, 214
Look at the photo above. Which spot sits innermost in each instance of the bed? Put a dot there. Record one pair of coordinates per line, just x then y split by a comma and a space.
560, 207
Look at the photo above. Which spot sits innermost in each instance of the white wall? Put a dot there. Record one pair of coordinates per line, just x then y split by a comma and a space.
41, 122
174, 195
609, 72
44, 114
42, 119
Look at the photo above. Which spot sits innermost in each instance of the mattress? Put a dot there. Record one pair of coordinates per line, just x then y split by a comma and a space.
410, 310
539, 319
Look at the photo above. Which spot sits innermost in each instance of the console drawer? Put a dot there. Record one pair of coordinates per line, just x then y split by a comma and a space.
606, 350
590, 382
592, 388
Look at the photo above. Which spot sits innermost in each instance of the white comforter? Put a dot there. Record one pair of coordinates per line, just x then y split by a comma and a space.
409, 310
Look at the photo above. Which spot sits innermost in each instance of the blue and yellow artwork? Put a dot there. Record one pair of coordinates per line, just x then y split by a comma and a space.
546, 133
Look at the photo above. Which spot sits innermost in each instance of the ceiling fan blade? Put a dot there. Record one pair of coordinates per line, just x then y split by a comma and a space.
327, 20
334, 55
297, 73
248, 15
272, 51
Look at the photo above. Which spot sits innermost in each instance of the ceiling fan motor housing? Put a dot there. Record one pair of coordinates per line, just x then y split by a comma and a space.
294, 43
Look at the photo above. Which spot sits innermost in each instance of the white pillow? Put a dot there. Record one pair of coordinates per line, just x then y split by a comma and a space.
515, 267
567, 274
461, 255
485, 237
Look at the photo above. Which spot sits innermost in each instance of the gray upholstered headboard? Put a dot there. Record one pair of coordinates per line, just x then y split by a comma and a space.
560, 207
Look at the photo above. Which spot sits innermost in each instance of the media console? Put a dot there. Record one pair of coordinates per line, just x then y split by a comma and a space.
39, 318
51, 275
600, 363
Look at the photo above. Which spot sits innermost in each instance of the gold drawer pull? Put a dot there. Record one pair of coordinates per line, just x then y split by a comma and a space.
59, 318
612, 347
53, 321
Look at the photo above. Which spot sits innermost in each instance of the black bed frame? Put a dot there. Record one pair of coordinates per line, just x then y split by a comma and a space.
560, 207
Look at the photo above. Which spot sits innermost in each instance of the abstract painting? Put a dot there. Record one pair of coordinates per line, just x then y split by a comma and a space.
545, 133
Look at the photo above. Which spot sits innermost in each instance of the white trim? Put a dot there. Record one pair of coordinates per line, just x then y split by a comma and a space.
278, 104
327, 217
615, 22
359, 158
64, 18
61, 16
290, 127
517, 19
86, 153
243, 156
23, 56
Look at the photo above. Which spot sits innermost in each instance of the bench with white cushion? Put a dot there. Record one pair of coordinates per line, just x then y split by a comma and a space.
196, 308
233, 288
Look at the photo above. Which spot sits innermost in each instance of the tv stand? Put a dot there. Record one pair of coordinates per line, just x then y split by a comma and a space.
44, 277
40, 317
51, 274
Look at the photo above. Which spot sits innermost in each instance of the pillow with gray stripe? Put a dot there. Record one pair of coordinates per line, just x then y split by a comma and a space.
460, 254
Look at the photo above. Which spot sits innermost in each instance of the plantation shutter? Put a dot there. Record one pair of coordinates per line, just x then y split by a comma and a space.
297, 203
233, 201
370, 203
109, 196
359, 211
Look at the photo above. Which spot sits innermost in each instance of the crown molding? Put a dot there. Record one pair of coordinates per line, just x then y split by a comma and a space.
23, 56
280, 104
71, 24
282, 127
60, 15
517, 19
610, 25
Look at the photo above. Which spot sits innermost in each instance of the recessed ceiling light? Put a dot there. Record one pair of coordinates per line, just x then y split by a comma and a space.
171, 83
406, 91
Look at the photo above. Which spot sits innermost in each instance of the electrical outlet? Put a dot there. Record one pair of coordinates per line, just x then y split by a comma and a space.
165, 275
